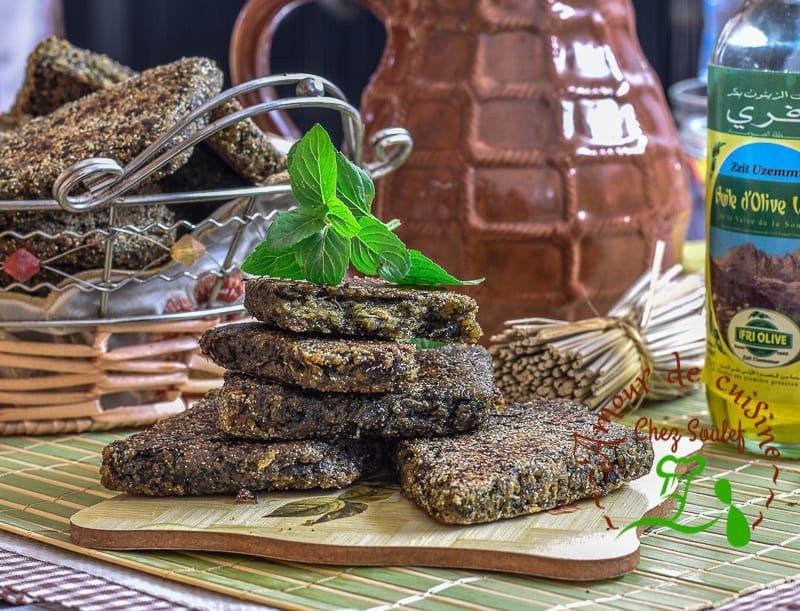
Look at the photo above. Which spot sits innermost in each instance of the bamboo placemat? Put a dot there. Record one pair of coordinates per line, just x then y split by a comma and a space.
44, 480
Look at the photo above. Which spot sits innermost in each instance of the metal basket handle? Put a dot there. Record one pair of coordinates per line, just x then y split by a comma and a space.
95, 182
105, 181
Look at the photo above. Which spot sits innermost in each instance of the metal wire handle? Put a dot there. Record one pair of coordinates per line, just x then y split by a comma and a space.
105, 181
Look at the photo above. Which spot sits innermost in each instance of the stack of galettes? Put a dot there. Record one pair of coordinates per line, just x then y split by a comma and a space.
316, 391
326, 387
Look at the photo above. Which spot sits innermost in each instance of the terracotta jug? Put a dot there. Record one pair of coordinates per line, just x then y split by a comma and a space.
545, 156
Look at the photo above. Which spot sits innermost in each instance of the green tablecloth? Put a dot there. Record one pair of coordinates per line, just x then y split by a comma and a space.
44, 480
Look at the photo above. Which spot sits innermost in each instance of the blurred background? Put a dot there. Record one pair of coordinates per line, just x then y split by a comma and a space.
337, 39
334, 38
342, 41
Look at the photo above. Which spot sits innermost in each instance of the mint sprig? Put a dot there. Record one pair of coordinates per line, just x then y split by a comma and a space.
333, 226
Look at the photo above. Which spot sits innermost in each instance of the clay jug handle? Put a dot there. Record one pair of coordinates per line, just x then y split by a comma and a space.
250, 49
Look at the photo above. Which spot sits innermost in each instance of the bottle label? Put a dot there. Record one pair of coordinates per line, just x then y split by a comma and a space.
753, 221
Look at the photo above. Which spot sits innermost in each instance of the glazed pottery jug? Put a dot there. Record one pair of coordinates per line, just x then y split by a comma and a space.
545, 157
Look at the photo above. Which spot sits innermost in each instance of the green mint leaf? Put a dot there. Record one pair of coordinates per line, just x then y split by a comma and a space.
266, 262
312, 168
362, 258
292, 226
377, 251
341, 218
324, 256
333, 226
423, 271
354, 186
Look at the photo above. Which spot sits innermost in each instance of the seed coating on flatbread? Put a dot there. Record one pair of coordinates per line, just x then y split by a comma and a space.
454, 392
363, 307
187, 454
532, 457
118, 122
10, 122
75, 242
327, 364
244, 147
58, 72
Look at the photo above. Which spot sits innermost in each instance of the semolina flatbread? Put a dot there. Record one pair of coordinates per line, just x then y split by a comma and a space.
453, 392
532, 457
326, 364
364, 307
58, 72
188, 454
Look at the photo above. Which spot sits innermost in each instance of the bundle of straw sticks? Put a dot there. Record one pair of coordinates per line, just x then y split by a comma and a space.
592, 361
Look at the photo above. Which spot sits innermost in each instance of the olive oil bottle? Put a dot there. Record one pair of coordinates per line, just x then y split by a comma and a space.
752, 366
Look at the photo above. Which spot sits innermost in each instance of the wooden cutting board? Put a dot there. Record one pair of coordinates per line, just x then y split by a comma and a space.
372, 523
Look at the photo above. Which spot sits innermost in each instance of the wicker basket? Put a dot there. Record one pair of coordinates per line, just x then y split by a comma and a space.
108, 347
101, 377
121, 349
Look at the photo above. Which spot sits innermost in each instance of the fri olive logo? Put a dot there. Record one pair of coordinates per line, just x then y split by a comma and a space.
763, 338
